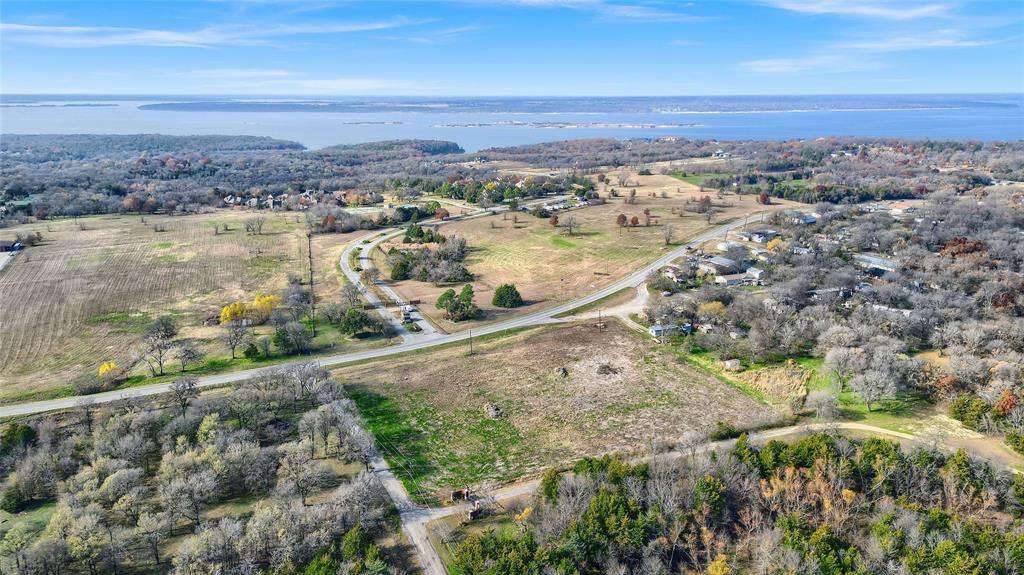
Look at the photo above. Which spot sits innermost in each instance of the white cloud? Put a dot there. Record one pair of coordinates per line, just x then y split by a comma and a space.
883, 10
103, 36
234, 73
937, 39
434, 36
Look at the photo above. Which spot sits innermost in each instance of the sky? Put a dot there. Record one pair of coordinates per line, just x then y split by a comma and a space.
512, 47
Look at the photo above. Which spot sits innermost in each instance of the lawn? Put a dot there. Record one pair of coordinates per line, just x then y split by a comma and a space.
87, 292
428, 411
698, 179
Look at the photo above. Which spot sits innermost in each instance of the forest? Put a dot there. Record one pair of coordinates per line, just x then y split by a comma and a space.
55, 176
822, 504
265, 476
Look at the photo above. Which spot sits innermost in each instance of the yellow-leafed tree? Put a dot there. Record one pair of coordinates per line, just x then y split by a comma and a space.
107, 368
773, 245
263, 305
234, 312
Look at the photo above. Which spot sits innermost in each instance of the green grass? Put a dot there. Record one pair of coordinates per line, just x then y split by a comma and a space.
705, 362
264, 266
698, 179
129, 322
560, 242
35, 517
431, 450
162, 245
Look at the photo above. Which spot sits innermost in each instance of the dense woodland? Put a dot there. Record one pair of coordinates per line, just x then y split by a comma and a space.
823, 504
131, 484
53, 176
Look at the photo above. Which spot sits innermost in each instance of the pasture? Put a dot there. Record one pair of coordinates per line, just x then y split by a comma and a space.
617, 393
85, 294
550, 266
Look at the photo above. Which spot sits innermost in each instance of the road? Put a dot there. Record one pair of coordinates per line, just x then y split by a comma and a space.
541, 317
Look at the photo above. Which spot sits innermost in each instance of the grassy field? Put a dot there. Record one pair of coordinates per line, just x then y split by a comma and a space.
428, 411
698, 179
85, 295
550, 266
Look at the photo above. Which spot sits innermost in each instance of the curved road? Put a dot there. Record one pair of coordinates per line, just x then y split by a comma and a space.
410, 343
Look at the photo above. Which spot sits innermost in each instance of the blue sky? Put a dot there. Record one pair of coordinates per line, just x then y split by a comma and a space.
512, 47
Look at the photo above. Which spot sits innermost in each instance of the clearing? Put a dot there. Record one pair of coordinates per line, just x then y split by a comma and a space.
549, 266
85, 294
617, 393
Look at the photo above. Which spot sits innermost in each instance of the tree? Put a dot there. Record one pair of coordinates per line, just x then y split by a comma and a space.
236, 336
350, 294
292, 337
571, 224
553, 221
668, 232
188, 353
764, 198
254, 225
333, 312
844, 362
354, 321
873, 386
182, 392
298, 473
234, 313
824, 404
157, 339
621, 220
634, 221
507, 296
152, 529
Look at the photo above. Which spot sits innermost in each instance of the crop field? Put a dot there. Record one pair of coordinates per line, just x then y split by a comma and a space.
549, 266
617, 393
84, 295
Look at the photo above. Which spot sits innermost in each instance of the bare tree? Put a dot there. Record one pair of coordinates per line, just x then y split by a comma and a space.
873, 386
254, 225
571, 224
182, 392
668, 232
188, 353
350, 294
235, 337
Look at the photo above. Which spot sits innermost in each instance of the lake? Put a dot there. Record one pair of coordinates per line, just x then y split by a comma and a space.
477, 123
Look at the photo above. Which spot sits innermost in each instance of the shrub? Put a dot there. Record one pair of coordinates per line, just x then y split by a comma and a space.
1016, 441
549, 485
968, 410
723, 430
507, 296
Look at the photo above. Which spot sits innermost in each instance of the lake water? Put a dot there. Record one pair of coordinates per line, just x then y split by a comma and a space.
988, 118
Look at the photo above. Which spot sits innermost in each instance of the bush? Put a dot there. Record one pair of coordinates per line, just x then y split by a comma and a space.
1016, 441
968, 409
16, 435
549, 485
251, 351
507, 296
723, 430
11, 500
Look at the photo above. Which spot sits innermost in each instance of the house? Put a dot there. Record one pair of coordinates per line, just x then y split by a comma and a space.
733, 280
756, 273
674, 273
802, 219
801, 250
875, 265
659, 330
726, 246
760, 253
742, 235
718, 265
9, 246
763, 236
901, 208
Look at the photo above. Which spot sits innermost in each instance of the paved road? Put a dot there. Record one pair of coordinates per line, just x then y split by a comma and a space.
536, 318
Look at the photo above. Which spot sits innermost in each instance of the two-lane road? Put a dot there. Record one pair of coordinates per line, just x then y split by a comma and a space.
410, 344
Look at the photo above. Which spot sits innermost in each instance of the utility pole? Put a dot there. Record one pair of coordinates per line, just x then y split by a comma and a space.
470, 342
312, 292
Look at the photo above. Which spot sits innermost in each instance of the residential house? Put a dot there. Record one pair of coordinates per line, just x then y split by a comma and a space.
803, 219
875, 265
717, 265
733, 279
901, 208
659, 330
756, 273
763, 236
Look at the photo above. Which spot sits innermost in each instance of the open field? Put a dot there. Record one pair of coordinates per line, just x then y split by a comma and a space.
619, 393
549, 266
84, 295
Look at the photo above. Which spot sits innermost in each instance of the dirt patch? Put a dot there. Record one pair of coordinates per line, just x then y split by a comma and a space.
616, 393
779, 383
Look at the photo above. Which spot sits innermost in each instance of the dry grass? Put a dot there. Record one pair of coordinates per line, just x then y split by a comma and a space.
428, 410
85, 294
549, 266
